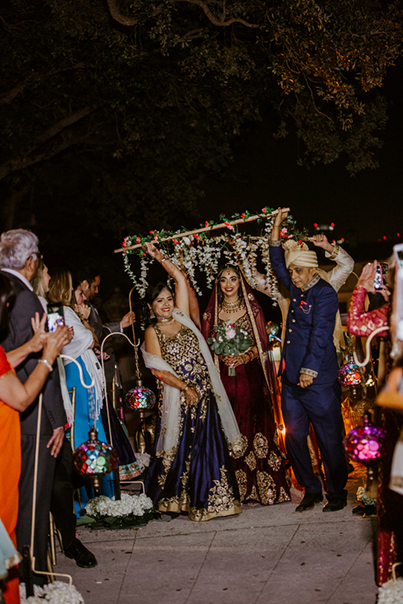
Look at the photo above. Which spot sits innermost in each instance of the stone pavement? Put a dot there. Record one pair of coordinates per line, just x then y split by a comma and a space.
266, 555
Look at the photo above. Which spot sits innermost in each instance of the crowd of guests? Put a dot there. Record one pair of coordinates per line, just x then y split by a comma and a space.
217, 441
30, 364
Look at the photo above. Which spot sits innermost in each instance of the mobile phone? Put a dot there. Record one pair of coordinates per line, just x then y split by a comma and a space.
378, 280
398, 251
55, 316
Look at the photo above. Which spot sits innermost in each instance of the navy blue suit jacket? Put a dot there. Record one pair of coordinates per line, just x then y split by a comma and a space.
19, 332
310, 324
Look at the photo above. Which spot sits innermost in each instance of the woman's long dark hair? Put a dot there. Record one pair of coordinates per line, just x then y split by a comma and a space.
227, 267
7, 300
152, 293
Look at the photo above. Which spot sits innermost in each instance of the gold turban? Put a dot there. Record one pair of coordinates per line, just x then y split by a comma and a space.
299, 254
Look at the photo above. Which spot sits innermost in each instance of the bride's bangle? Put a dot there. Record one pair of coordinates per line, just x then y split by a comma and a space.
186, 388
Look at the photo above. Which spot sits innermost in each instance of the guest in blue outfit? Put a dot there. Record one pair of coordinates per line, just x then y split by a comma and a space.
308, 370
88, 401
191, 470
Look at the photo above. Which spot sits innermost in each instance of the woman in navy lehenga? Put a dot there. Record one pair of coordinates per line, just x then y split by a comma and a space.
191, 470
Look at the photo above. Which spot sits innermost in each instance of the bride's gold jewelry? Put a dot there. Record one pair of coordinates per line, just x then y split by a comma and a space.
233, 306
162, 320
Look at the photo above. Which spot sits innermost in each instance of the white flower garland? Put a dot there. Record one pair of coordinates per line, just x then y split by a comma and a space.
128, 505
204, 252
54, 593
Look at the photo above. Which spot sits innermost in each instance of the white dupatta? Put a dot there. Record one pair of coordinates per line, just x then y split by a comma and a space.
170, 416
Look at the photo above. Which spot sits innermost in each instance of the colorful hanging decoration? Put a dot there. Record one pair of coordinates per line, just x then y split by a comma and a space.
364, 444
140, 398
95, 459
349, 375
199, 249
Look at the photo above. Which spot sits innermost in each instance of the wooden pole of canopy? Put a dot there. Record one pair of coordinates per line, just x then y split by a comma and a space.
222, 225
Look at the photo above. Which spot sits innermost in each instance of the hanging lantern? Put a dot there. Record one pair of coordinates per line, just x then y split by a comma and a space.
273, 330
95, 459
349, 375
364, 444
140, 398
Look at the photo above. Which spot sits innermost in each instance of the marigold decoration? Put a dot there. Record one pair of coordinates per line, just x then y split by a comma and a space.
95, 459
364, 444
199, 249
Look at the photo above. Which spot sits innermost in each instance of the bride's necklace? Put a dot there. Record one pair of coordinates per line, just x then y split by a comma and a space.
162, 320
230, 307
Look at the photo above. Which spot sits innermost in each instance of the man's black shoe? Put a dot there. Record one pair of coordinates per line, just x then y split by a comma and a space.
82, 556
309, 501
335, 504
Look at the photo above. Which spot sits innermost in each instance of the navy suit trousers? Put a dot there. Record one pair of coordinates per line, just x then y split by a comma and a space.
320, 405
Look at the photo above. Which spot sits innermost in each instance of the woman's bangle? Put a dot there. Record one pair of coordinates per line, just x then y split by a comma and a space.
185, 388
45, 362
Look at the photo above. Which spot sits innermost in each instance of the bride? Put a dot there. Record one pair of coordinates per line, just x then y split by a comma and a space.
260, 469
191, 470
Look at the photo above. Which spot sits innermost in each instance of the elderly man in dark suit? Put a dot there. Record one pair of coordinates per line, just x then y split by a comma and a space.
19, 259
308, 369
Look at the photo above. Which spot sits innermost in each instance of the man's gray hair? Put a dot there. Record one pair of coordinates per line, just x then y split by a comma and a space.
16, 246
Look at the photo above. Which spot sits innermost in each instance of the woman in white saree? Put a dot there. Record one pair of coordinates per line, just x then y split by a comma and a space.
191, 470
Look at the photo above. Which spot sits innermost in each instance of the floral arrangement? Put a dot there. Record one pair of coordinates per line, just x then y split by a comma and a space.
229, 339
199, 249
130, 510
391, 592
54, 593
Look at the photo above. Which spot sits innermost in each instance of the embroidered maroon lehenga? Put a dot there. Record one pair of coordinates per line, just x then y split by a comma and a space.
260, 471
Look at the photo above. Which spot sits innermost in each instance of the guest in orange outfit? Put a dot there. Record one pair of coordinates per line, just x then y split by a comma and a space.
15, 397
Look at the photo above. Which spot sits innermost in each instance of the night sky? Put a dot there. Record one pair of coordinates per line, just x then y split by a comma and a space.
365, 207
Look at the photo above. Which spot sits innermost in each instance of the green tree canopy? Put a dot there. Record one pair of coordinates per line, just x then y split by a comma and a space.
112, 113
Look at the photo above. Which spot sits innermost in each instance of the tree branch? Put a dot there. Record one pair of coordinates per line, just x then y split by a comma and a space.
13, 165
7, 97
118, 17
219, 22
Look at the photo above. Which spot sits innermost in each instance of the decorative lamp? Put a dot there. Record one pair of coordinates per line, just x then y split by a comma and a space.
349, 375
273, 330
95, 459
364, 444
140, 398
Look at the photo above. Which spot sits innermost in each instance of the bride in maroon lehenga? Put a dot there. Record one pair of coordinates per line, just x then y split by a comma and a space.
260, 470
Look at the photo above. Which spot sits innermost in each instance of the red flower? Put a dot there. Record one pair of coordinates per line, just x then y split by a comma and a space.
228, 225
242, 215
196, 236
206, 224
138, 239
175, 240
264, 210
152, 232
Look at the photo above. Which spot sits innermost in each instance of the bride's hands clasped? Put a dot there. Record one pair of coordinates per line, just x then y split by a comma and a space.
191, 396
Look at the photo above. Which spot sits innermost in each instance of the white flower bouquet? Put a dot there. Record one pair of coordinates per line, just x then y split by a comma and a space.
228, 339
54, 593
130, 510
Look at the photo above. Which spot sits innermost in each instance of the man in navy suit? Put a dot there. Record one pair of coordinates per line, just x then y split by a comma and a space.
308, 370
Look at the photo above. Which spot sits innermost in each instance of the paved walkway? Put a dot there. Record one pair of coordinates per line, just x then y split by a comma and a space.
266, 555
